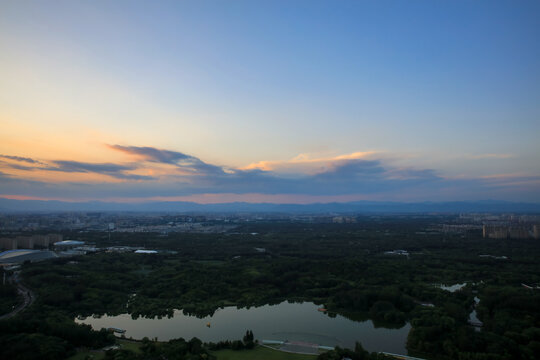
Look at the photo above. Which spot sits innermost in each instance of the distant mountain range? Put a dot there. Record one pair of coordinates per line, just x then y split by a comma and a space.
9, 205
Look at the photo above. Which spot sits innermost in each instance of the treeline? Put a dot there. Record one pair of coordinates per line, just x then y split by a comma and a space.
357, 354
49, 335
248, 342
180, 349
176, 349
9, 298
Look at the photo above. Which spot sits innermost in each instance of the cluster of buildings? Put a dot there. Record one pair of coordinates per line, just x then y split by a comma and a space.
36, 248
12, 258
510, 232
460, 228
117, 222
29, 242
344, 219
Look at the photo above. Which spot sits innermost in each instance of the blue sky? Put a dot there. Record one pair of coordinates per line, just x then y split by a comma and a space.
291, 101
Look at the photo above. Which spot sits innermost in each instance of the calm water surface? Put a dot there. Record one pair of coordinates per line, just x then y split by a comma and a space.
285, 321
453, 288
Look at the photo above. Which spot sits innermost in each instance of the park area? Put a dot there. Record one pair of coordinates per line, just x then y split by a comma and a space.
258, 353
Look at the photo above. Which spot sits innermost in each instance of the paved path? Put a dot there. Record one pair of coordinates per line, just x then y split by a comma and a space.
27, 295
293, 352
398, 356
300, 347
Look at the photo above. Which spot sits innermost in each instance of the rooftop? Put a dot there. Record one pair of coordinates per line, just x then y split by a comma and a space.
69, 243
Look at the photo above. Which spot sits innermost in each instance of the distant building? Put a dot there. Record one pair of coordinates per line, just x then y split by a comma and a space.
29, 242
518, 233
459, 228
494, 232
141, 251
8, 243
343, 219
68, 244
505, 232
121, 249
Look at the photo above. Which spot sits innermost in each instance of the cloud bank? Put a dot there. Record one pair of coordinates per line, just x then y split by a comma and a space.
150, 173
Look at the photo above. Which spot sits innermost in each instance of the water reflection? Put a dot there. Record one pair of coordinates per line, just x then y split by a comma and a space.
285, 321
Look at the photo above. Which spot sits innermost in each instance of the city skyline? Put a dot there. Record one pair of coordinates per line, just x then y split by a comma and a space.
275, 102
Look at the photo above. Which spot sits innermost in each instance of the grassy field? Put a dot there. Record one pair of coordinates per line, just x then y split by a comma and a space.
82, 355
259, 353
130, 345
98, 355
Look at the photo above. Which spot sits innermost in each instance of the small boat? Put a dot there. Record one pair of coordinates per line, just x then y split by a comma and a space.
207, 324
322, 309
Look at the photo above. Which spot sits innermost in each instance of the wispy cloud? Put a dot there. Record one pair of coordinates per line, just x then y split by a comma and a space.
76, 166
490, 156
153, 154
411, 173
21, 159
123, 176
186, 162
17, 166
3, 175
118, 171
152, 173
115, 170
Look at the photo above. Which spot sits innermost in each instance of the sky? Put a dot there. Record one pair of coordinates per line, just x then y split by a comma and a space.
270, 101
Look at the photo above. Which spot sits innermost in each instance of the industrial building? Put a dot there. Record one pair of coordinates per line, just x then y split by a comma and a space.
68, 244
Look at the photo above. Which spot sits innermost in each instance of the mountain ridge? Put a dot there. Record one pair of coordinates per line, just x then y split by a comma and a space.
12, 205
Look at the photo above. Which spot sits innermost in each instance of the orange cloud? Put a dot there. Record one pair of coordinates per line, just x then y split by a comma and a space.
306, 163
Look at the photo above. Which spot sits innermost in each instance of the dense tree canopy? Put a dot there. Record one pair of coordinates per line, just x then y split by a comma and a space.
343, 266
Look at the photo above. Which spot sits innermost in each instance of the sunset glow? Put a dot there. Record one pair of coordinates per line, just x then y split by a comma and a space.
430, 101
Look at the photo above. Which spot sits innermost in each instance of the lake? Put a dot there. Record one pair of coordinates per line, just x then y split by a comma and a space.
285, 321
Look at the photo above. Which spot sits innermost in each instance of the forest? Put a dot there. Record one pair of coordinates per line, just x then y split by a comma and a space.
343, 266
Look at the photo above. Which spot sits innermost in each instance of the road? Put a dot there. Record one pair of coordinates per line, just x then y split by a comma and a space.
27, 294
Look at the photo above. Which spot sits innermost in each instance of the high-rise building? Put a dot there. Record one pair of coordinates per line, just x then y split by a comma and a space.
29, 242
